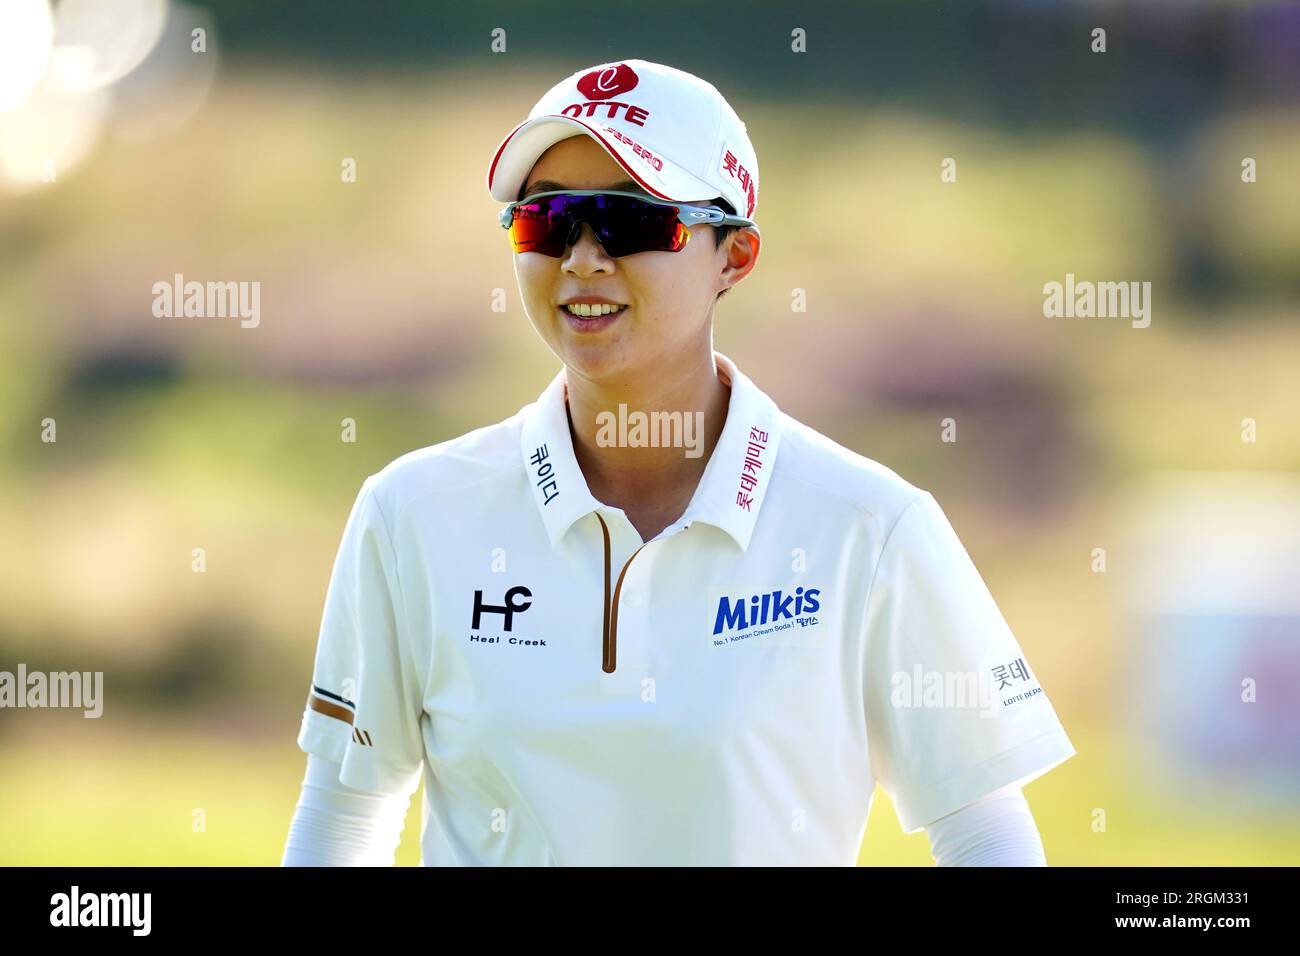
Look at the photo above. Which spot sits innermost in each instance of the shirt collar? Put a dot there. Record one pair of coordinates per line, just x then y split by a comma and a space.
731, 490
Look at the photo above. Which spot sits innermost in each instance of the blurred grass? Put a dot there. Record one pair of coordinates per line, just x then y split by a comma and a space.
125, 794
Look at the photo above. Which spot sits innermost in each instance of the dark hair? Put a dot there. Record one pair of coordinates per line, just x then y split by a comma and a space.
720, 233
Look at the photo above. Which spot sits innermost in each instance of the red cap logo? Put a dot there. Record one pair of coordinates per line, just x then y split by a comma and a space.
611, 81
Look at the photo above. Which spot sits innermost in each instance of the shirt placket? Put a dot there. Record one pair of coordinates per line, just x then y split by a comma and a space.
625, 651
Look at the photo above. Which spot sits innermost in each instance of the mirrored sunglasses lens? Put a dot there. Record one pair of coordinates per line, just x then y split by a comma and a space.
624, 225
544, 225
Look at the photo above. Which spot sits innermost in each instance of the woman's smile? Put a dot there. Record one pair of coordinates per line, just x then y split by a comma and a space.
590, 323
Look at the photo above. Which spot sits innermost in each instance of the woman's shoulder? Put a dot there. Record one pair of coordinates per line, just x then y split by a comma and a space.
462, 462
822, 464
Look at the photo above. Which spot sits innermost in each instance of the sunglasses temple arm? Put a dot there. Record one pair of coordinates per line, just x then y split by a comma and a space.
506, 214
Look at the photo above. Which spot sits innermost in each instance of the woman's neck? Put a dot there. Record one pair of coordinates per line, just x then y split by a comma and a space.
646, 464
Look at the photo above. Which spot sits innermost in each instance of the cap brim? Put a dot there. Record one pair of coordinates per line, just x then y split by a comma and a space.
519, 152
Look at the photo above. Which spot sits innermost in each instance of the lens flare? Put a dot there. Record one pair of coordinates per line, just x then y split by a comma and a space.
97, 42
26, 35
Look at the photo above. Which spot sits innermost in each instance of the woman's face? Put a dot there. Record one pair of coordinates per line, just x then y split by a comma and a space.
669, 296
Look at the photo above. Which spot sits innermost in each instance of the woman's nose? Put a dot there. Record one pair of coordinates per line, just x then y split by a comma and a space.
574, 239
576, 233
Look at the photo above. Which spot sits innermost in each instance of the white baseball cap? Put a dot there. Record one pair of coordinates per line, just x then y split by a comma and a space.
673, 132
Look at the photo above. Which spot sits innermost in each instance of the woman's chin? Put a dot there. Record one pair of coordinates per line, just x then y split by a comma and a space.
593, 360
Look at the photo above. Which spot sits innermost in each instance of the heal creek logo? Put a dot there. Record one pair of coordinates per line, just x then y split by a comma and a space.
517, 600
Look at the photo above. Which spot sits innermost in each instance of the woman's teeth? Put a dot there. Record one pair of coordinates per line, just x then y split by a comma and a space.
588, 311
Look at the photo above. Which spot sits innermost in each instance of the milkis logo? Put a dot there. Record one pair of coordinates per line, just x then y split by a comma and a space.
759, 609
600, 87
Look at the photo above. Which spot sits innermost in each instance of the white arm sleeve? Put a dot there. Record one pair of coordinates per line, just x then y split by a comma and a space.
335, 825
995, 830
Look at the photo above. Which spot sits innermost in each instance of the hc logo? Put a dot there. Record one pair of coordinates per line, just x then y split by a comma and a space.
507, 610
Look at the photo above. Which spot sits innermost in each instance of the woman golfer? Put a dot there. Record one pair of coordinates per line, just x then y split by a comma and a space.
650, 619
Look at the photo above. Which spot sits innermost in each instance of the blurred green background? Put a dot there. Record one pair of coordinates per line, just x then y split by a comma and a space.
925, 301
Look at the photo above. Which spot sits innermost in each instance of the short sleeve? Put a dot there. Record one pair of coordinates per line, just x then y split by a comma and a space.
364, 706
954, 710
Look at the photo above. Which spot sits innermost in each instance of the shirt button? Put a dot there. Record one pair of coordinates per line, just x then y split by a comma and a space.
632, 598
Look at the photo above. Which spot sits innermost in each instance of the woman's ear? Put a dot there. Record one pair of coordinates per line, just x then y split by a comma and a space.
742, 248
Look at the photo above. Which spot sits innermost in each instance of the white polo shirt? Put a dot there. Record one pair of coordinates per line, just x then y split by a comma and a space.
727, 693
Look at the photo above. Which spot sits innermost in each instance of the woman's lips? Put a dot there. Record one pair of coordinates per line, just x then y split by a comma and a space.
593, 324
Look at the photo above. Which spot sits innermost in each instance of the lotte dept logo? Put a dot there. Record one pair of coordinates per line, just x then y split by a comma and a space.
611, 81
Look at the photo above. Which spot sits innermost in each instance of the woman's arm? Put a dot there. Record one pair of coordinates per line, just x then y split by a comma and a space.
996, 830
335, 825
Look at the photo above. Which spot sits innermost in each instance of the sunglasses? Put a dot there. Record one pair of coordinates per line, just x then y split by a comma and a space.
625, 223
